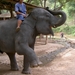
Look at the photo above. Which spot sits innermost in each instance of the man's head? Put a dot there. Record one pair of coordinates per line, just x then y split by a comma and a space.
20, 1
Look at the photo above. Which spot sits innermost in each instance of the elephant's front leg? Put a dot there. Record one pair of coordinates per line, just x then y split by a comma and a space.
13, 62
26, 66
24, 49
39, 62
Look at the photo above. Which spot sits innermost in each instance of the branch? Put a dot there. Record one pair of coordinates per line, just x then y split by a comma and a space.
29, 1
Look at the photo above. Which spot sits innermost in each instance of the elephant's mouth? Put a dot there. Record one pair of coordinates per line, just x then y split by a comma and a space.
54, 26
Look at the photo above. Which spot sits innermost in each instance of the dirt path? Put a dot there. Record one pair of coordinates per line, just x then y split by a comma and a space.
64, 64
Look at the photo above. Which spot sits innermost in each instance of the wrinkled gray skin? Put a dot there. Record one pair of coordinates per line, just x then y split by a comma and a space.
39, 21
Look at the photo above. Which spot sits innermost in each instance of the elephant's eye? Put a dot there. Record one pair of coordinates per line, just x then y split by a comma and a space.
48, 16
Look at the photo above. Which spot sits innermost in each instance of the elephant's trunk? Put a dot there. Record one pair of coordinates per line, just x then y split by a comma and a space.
59, 18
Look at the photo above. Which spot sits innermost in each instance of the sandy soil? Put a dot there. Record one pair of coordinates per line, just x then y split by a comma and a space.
62, 64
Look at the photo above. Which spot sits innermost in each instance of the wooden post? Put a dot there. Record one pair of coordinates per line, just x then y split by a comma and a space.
46, 39
11, 11
4, 18
0, 11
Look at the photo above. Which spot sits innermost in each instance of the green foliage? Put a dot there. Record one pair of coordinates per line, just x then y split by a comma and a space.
25, 0
71, 9
36, 2
70, 30
58, 4
51, 1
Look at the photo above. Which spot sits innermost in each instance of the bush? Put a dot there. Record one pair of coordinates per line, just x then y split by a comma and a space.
70, 30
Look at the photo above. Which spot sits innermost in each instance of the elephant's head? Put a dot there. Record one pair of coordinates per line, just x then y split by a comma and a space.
59, 17
45, 20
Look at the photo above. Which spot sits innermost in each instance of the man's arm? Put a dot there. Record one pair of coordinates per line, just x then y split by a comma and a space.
17, 12
17, 9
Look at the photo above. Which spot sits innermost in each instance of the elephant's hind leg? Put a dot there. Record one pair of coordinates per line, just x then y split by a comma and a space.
13, 62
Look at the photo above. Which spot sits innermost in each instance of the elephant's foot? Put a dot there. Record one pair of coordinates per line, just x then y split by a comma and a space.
15, 69
26, 71
35, 64
40, 63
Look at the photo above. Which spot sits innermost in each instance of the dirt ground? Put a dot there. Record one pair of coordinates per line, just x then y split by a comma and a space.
62, 63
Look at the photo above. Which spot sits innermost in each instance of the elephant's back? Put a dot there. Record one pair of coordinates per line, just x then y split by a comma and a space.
8, 21
8, 24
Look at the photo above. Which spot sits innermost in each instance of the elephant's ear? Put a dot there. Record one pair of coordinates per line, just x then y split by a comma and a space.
43, 25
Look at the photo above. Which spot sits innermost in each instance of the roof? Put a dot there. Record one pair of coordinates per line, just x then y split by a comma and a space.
7, 15
9, 4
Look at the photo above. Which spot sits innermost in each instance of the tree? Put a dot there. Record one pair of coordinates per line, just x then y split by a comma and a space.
71, 9
58, 4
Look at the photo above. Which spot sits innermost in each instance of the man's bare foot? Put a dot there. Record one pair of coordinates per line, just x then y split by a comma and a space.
17, 29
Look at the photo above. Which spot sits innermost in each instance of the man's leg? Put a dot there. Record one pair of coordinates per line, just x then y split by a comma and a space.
18, 25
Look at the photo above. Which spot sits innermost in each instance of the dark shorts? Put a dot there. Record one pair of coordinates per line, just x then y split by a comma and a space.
20, 17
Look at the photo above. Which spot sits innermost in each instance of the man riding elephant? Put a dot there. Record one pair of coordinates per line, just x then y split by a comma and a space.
20, 9
39, 21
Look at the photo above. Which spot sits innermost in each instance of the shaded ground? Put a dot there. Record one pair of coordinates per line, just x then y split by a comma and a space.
57, 60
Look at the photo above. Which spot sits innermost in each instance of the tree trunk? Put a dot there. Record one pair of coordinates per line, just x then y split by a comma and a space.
0, 11
41, 3
44, 3
55, 5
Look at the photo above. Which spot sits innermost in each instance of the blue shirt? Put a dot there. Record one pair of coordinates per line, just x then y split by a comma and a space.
20, 8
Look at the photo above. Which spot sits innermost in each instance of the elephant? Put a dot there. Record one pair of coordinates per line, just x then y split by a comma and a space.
39, 21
